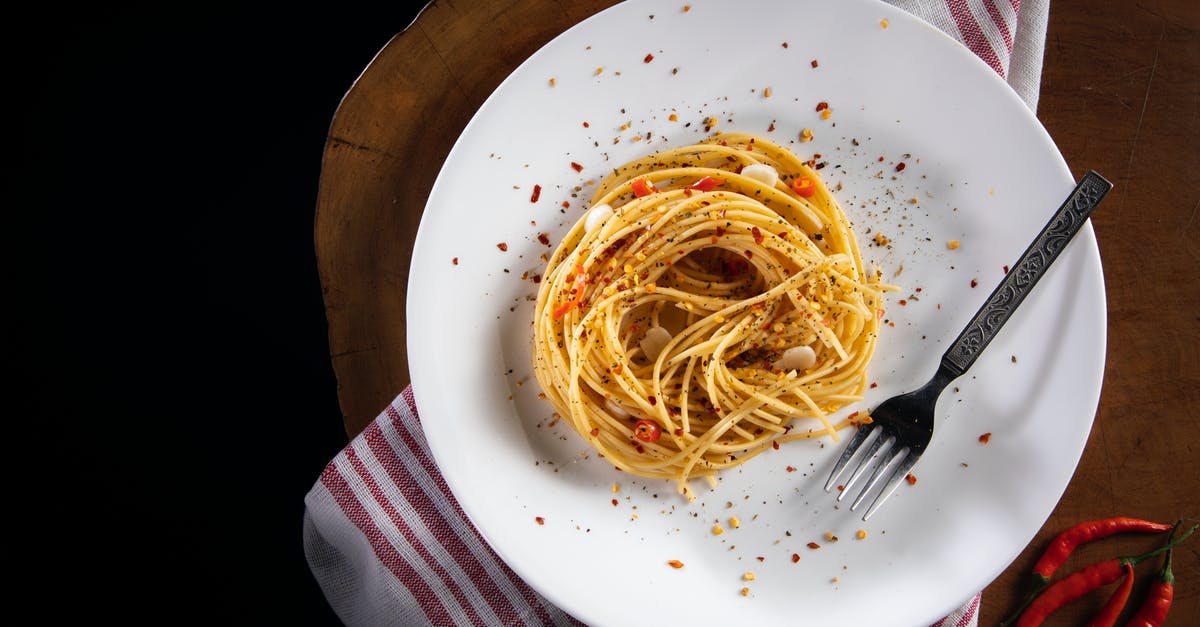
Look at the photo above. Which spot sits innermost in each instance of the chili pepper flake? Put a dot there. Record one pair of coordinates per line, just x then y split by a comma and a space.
806, 135
540, 520
757, 234
775, 444
575, 166
649, 58
544, 238
821, 106
795, 557
537, 193
503, 246
1005, 269
745, 592
784, 44
676, 564
687, 7
791, 469
974, 283
454, 261
911, 479
813, 545
829, 537
814, 64
985, 438
614, 502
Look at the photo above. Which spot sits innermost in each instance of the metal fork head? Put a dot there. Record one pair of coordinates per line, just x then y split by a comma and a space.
900, 429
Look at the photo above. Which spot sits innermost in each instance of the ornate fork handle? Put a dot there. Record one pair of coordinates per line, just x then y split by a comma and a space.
1021, 278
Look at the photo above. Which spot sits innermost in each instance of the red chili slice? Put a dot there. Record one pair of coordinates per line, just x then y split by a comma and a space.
647, 431
804, 186
641, 187
707, 184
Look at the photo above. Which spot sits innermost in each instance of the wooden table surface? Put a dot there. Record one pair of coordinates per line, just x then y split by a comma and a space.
1120, 93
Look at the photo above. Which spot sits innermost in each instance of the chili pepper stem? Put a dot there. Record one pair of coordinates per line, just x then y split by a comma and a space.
1166, 548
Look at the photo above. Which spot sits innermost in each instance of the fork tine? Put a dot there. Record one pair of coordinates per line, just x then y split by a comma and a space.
851, 448
870, 457
897, 476
892, 455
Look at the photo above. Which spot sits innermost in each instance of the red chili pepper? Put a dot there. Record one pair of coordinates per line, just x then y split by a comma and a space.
1153, 611
1107, 617
576, 293
1062, 545
1082, 582
706, 184
641, 187
647, 431
804, 186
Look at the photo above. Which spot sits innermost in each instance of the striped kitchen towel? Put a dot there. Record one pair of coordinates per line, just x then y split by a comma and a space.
385, 538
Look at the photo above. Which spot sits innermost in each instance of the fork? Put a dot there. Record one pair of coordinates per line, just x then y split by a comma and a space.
902, 426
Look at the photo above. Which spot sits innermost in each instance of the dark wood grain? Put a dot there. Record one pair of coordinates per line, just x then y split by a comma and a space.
1120, 94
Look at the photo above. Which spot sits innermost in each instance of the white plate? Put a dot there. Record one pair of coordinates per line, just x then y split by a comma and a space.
984, 172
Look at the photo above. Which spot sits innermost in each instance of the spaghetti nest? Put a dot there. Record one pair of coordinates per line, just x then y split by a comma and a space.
713, 296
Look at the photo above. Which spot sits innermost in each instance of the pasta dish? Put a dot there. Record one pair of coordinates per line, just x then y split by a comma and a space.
711, 304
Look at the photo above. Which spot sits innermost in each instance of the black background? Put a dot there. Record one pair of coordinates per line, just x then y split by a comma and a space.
175, 399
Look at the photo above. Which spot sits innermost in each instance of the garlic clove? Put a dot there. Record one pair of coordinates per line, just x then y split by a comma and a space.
596, 216
797, 358
762, 173
654, 342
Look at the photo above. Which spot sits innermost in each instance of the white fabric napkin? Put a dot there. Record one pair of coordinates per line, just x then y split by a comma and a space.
385, 538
